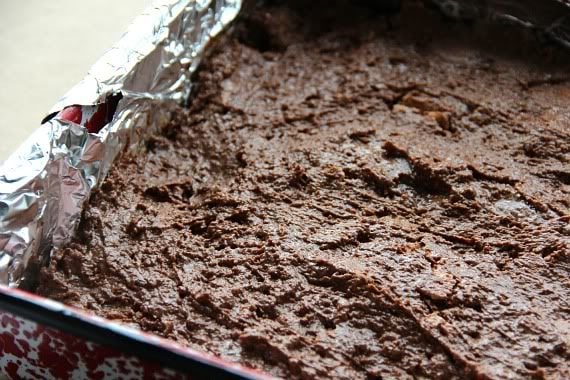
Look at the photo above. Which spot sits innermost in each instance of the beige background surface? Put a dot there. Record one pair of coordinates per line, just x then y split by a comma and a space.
47, 46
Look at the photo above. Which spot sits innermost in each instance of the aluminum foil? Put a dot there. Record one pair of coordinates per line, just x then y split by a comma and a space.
550, 17
44, 185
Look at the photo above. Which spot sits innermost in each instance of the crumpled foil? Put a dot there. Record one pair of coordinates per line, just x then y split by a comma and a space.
44, 185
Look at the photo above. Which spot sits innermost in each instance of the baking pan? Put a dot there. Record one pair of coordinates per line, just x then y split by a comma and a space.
46, 182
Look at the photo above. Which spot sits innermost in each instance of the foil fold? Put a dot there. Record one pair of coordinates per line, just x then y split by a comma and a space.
46, 182
44, 185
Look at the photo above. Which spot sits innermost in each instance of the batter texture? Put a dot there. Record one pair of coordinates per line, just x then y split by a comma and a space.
350, 194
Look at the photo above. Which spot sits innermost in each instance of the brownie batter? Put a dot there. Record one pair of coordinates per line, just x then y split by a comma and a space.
349, 195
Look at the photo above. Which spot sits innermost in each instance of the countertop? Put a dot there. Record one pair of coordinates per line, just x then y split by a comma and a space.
46, 47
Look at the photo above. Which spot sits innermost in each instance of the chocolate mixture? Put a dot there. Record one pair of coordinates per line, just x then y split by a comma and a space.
349, 195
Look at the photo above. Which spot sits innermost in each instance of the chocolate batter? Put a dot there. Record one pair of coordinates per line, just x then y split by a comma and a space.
349, 195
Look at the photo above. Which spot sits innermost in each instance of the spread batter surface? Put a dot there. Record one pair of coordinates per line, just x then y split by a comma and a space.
349, 195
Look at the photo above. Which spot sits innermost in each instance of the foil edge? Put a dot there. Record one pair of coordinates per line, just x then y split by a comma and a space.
45, 183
